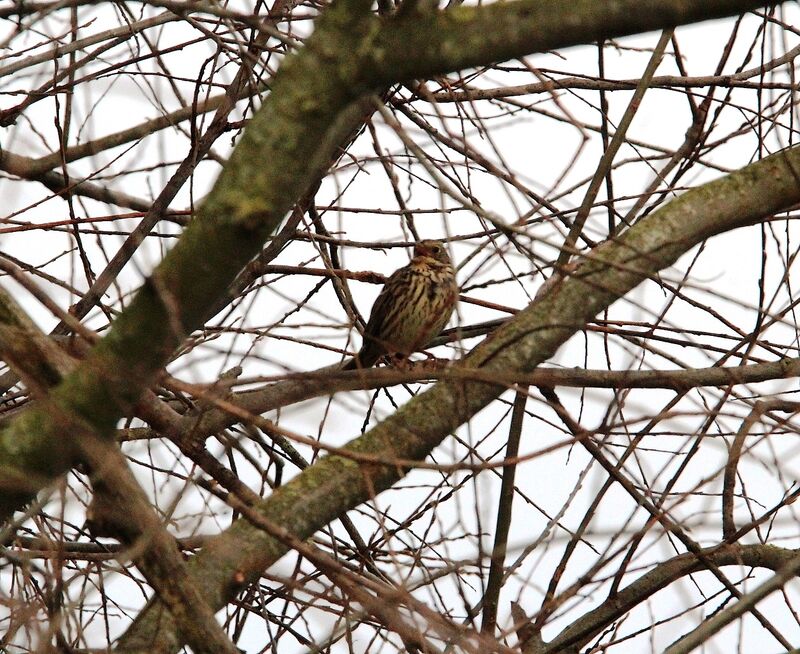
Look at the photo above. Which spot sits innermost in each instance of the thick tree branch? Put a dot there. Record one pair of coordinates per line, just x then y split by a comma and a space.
468, 36
579, 632
305, 386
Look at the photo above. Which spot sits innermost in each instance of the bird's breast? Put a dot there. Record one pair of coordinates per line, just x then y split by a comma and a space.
427, 309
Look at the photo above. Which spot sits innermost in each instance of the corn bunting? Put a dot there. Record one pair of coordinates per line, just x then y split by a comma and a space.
414, 306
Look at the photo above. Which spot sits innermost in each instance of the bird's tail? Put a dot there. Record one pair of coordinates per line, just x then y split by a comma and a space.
369, 355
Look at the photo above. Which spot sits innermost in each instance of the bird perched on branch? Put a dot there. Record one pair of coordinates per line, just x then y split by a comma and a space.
412, 308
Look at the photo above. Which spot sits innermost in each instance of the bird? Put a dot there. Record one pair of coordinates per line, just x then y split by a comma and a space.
412, 308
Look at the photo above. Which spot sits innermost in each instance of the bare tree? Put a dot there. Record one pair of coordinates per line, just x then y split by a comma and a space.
200, 203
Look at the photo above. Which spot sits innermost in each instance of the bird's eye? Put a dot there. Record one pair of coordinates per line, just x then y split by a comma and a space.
436, 249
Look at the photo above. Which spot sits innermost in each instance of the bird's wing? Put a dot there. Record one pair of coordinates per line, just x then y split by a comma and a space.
383, 305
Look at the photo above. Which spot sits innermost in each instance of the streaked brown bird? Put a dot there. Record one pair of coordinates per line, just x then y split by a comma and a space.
412, 308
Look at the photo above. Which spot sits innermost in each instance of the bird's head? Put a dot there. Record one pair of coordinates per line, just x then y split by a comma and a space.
432, 250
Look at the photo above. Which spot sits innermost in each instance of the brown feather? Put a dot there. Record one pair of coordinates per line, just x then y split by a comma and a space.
412, 308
